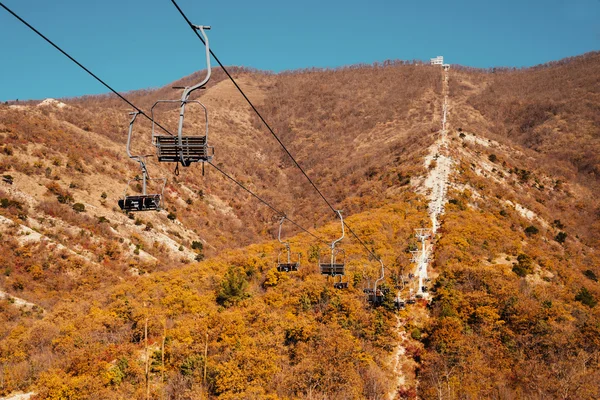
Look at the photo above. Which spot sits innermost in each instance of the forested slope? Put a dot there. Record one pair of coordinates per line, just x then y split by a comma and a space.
515, 264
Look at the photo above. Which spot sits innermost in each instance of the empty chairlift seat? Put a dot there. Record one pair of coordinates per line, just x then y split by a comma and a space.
191, 149
288, 267
149, 202
340, 285
330, 264
144, 201
182, 148
335, 269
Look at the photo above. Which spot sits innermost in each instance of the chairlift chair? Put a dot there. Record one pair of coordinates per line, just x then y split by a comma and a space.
340, 284
399, 304
330, 265
186, 149
288, 266
145, 201
375, 295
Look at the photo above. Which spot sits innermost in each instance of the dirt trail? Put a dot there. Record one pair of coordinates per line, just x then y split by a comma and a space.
439, 172
435, 186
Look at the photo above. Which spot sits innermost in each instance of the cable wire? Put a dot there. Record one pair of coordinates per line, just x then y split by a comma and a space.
269, 128
81, 65
281, 214
152, 120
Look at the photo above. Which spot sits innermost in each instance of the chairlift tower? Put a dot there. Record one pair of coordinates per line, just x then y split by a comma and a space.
422, 234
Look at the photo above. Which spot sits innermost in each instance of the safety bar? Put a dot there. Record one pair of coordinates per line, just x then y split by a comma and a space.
179, 101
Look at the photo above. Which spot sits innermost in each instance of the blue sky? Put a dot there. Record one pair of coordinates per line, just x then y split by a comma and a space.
134, 44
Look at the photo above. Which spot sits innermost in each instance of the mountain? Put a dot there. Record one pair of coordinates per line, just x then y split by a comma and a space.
186, 302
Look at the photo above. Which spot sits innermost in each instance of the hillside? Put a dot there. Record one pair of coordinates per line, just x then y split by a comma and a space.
76, 154
503, 160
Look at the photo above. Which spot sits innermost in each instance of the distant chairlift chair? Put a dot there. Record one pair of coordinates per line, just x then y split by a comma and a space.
331, 266
375, 295
145, 201
185, 149
288, 266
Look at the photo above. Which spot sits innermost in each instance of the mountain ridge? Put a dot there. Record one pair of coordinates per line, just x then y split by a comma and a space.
512, 270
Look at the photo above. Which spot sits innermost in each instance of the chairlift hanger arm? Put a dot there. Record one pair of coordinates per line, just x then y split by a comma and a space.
339, 213
381, 277
135, 114
286, 244
188, 90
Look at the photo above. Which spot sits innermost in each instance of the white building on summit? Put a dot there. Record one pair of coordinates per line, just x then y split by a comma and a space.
439, 60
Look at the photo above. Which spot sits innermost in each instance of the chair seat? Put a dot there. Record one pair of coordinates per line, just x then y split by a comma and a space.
399, 304
375, 299
192, 149
148, 202
332, 269
287, 267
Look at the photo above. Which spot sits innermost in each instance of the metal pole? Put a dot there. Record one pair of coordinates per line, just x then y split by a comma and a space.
186, 93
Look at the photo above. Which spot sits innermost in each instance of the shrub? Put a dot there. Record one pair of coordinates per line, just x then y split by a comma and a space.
561, 237
6, 203
403, 180
79, 207
18, 285
416, 334
233, 287
172, 216
271, 278
65, 198
313, 253
493, 158
531, 230
523, 266
586, 298
590, 275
